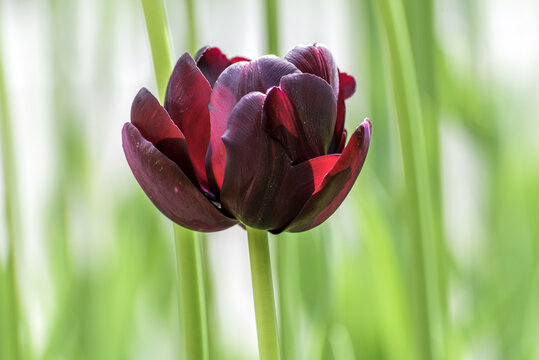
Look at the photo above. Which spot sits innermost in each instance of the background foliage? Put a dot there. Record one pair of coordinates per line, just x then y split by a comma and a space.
434, 254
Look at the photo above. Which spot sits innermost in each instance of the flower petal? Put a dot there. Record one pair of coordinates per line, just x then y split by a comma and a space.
331, 192
317, 60
211, 62
347, 85
343, 141
297, 187
339, 124
168, 187
155, 125
235, 82
256, 169
300, 114
187, 98
236, 59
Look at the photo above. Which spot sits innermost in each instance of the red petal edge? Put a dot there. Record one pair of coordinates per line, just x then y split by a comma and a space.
338, 182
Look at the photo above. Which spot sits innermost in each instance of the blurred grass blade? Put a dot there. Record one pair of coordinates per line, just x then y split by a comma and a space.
191, 25
420, 16
192, 301
158, 33
10, 346
388, 280
406, 95
271, 8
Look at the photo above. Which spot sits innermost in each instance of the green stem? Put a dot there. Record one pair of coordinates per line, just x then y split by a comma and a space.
266, 320
272, 26
191, 299
9, 329
156, 24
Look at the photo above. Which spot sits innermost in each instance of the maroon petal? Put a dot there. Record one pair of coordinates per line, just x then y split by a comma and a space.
152, 119
300, 114
297, 187
317, 60
334, 187
347, 85
256, 167
339, 124
187, 98
236, 59
236, 81
155, 125
168, 187
343, 141
211, 62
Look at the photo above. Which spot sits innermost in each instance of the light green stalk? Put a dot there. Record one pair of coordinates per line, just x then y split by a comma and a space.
192, 301
420, 15
191, 25
285, 252
272, 26
266, 320
425, 296
9, 306
156, 24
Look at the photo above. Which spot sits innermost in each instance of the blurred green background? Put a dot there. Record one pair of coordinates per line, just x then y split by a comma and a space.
434, 254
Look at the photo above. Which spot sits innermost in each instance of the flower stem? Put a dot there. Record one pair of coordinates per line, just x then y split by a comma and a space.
191, 299
156, 24
9, 306
266, 321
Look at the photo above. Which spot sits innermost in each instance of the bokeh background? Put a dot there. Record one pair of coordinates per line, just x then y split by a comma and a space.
434, 254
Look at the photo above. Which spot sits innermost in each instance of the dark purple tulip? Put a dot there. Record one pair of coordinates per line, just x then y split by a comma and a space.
258, 142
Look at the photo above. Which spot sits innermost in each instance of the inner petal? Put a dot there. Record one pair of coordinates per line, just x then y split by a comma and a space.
236, 81
301, 114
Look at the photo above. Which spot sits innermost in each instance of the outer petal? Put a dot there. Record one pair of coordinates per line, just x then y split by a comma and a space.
317, 60
211, 62
297, 187
187, 98
168, 187
336, 184
236, 81
300, 114
155, 125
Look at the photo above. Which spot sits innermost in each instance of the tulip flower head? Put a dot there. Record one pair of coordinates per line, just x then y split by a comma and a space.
258, 142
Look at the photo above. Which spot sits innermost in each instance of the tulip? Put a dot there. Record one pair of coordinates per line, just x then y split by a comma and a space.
254, 142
